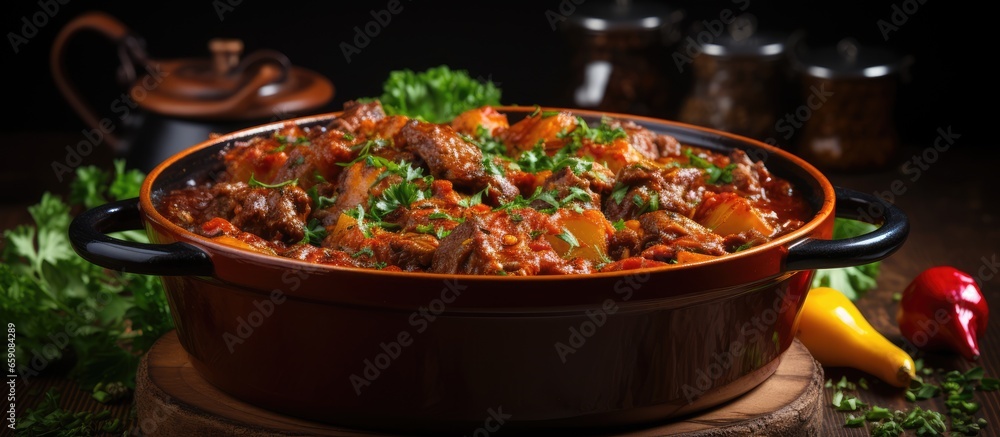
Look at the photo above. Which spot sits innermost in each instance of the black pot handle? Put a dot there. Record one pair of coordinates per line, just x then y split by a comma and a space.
863, 249
87, 234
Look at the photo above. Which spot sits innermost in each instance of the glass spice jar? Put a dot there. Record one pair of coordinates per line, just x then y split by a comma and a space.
847, 104
739, 85
619, 56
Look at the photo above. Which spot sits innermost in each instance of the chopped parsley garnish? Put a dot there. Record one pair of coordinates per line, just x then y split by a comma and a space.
318, 177
379, 265
618, 192
569, 238
253, 182
492, 168
549, 197
473, 200
619, 224
348, 137
519, 201
958, 389
320, 201
289, 140
365, 221
292, 140
299, 160
536, 159
602, 134
396, 196
403, 169
715, 174
363, 251
365, 150
439, 232
443, 215
486, 142
358, 214
515, 217
314, 233
576, 193
538, 110
547, 114
646, 205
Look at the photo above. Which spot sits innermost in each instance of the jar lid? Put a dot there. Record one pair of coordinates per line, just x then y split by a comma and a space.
756, 44
849, 59
620, 15
224, 87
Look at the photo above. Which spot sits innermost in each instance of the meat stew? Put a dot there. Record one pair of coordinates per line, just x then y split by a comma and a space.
549, 194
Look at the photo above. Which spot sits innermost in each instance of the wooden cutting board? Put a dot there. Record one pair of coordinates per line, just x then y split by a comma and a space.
173, 400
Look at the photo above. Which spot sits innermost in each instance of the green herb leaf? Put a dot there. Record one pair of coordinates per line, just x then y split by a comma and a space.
254, 183
715, 174
473, 200
110, 318
436, 95
618, 192
854, 422
365, 151
367, 251
443, 215
989, 384
854, 282
569, 238
399, 195
314, 232
619, 224
878, 413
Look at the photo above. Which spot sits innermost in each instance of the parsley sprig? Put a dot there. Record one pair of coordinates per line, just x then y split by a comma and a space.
537, 160
486, 142
602, 134
108, 318
289, 140
399, 195
254, 183
365, 150
550, 197
715, 174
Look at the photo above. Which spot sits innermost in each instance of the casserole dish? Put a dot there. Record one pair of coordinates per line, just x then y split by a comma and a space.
441, 353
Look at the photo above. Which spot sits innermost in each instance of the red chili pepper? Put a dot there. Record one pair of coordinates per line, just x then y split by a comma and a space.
943, 309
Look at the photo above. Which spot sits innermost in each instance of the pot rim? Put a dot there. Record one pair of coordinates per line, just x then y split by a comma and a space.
151, 214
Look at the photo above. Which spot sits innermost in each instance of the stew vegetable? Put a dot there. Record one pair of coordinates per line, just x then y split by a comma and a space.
549, 194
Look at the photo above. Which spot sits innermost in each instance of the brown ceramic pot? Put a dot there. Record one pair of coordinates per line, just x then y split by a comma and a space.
450, 353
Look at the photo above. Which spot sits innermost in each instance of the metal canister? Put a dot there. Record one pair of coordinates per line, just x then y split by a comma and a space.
620, 56
848, 98
739, 83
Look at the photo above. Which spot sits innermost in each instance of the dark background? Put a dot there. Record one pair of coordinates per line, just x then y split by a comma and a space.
512, 43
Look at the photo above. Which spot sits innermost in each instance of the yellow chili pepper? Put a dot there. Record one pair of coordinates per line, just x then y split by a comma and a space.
836, 334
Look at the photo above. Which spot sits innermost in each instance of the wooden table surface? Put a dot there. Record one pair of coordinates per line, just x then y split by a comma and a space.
951, 203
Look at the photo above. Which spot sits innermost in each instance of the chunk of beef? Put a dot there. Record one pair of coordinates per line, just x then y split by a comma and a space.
664, 233
495, 243
358, 118
566, 184
651, 188
450, 157
275, 214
